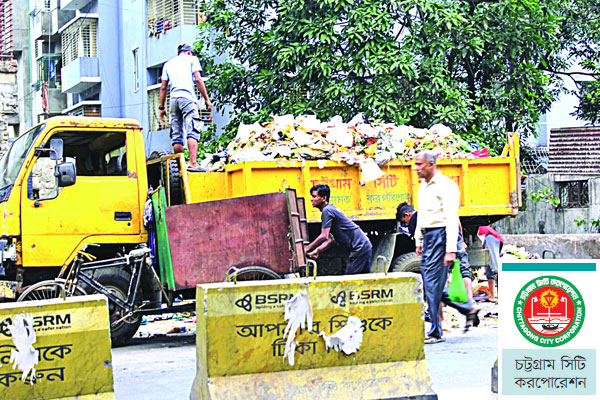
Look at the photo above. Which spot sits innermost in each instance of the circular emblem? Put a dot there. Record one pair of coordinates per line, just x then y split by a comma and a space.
549, 311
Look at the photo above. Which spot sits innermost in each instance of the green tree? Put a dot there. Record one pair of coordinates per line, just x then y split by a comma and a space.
480, 67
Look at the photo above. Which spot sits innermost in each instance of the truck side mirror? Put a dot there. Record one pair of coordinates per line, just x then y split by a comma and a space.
56, 149
66, 174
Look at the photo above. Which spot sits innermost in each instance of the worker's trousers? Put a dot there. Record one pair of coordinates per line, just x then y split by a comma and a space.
435, 274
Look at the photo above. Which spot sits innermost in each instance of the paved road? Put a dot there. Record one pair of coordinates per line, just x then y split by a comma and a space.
461, 366
161, 368
164, 367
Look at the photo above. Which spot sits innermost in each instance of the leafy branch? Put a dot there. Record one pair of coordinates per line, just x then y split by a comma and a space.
545, 195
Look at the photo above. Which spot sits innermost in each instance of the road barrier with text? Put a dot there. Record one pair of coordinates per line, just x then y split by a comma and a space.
241, 341
56, 349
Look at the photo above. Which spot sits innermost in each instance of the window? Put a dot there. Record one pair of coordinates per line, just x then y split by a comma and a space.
154, 101
96, 154
6, 30
156, 123
79, 40
136, 69
574, 194
167, 14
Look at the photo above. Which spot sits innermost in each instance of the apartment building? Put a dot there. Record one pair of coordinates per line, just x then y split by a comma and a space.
105, 57
12, 43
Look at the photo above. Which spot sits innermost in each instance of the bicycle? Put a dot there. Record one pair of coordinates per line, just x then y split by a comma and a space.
79, 278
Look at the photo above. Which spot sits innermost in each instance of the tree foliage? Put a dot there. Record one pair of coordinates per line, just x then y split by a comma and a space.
480, 67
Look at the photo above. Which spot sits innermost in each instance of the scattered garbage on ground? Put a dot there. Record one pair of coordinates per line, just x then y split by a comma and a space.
511, 252
368, 144
168, 324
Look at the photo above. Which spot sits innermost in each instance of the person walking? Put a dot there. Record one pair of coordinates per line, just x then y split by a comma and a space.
407, 216
493, 242
435, 234
342, 229
183, 72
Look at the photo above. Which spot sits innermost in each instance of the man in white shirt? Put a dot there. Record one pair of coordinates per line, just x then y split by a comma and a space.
435, 235
183, 72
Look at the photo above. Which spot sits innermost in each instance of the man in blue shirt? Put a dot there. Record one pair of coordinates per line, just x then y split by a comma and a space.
343, 230
183, 72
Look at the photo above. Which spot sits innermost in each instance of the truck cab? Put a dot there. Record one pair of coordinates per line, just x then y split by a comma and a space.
67, 182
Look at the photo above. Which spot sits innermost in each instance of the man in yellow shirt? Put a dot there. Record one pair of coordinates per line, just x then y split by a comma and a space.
435, 235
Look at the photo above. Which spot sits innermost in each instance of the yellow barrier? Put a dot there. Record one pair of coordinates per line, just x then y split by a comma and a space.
70, 357
241, 343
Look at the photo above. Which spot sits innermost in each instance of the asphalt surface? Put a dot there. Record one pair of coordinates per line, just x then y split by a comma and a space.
160, 365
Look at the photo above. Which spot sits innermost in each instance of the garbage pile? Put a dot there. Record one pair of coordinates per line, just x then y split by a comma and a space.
370, 145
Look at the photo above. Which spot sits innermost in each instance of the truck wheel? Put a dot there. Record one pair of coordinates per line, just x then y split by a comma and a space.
116, 281
175, 186
407, 262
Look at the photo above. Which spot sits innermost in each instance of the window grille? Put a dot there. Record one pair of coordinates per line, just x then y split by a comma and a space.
79, 40
6, 30
574, 194
39, 48
86, 110
154, 101
166, 14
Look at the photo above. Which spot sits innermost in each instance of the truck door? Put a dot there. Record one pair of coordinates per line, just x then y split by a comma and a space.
104, 201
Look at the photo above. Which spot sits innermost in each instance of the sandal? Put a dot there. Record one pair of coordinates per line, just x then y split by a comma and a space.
486, 300
197, 168
472, 320
433, 339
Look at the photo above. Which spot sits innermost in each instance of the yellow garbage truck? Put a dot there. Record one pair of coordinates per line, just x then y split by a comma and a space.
74, 186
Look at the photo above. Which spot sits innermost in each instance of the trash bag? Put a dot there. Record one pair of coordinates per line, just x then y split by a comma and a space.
369, 171
456, 288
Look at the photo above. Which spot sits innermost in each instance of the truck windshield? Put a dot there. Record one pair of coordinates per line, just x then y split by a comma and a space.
11, 162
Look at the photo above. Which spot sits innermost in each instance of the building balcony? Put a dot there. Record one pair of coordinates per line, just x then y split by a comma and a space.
163, 48
56, 99
60, 18
41, 24
73, 5
87, 108
80, 74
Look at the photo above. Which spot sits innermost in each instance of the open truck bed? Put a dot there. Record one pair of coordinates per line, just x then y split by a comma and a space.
488, 186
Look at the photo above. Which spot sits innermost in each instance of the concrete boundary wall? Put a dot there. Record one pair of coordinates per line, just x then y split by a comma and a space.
584, 246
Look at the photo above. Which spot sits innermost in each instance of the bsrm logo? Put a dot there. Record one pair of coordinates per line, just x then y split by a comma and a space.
356, 296
262, 299
40, 320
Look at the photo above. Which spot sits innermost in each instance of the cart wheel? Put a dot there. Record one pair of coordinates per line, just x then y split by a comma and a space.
46, 290
252, 273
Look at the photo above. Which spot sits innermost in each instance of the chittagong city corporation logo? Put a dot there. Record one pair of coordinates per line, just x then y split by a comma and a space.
549, 311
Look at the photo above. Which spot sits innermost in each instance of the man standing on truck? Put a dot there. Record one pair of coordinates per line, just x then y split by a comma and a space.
183, 72
343, 230
435, 234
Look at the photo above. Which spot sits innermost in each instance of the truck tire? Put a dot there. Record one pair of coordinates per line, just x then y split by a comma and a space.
408, 262
175, 185
116, 280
